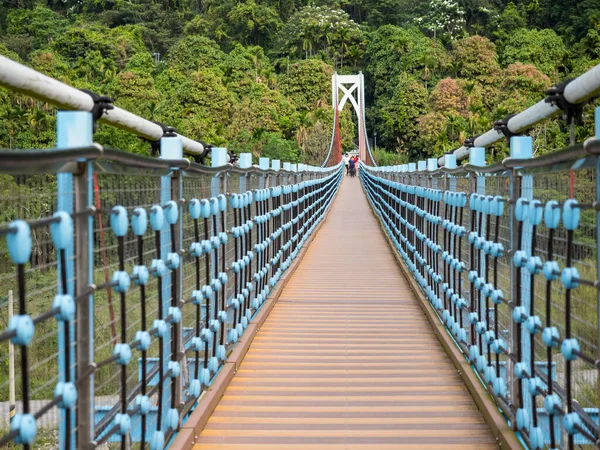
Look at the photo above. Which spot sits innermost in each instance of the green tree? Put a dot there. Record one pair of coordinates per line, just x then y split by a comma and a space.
393, 51
476, 58
315, 30
445, 19
397, 124
307, 83
542, 48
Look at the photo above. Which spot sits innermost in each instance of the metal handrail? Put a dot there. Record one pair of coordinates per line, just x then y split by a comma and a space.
25, 80
577, 91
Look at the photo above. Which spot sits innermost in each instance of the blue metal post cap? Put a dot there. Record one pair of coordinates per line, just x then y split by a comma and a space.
570, 349
141, 275
499, 387
122, 354
552, 214
64, 306
499, 346
523, 421
536, 438
66, 393
521, 209
519, 314
139, 221
121, 281
552, 404
161, 328
572, 423
157, 217
533, 324
195, 388
175, 313
171, 212
62, 231
23, 328
571, 214
157, 442
551, 337
222, 202
570, 278
194, 208
158, 268
143, 404
144, 340
173, 260
25, 428
535, 212
205, 208
174, 369
19, 242
119, 221
206, 335
534, 265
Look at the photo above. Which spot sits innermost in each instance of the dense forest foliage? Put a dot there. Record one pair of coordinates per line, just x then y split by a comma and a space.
255, 75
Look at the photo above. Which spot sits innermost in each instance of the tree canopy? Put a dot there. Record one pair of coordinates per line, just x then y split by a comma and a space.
255, 75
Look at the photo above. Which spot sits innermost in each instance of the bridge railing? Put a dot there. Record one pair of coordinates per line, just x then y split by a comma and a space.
507, 256
135, 277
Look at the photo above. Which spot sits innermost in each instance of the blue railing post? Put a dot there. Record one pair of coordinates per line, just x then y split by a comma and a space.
263, 164
521, 147
245, 163
170, 148
432, 165
477, 158
597, 135
219, 186
74, 129
287, 167
276, 166
450, 185
421, 167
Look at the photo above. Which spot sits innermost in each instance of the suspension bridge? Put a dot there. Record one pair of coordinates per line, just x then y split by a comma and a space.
161, 303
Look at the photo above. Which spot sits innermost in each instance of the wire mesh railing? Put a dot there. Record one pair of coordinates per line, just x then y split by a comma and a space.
507, 256
133, 280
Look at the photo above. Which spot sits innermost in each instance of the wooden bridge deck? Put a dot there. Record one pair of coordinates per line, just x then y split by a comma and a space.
346, 358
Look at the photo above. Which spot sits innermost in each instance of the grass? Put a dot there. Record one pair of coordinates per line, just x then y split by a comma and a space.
45, 439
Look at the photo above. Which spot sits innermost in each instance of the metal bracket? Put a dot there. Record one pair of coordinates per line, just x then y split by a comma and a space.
233, 157
155, 145
572, 112
102, 103
470, 142
502, 127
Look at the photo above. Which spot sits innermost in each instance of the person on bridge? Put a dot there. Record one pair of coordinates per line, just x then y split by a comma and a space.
352, 167
345, 160
356, 163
